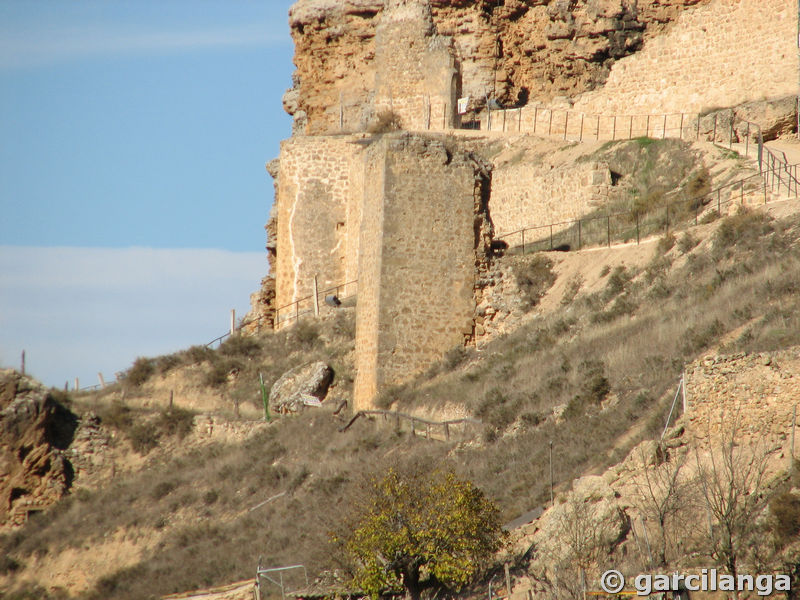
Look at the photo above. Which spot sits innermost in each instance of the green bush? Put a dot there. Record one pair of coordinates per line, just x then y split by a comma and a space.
198, 354
140, 372
143, 437
175, 421
241, 346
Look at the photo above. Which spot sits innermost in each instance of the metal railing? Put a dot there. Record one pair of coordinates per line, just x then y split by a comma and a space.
417, 423
303, 306
601, 230
283, 315
578, 126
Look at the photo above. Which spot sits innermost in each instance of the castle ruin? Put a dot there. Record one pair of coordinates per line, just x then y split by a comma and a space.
407, 218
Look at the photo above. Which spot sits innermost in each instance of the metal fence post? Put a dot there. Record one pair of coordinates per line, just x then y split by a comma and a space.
647, 127
535, 117
614, 131
630, 130
579, 234
714, 136
680, 135
566, 123
664, 133
608, 229
747, 140
523, 241
551, 237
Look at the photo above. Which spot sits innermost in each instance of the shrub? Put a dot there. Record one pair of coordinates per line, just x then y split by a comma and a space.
785, 516
455, 357
164, 364
240, 345
306, 333
117, 415
162, 489
665, 243
198, 354
140, 372
385, 122
175, 421
534, 277
143, 437
742, 230
572, 289
616, 283
687, 242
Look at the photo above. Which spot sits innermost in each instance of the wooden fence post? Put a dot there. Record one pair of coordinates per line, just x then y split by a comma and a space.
316, 298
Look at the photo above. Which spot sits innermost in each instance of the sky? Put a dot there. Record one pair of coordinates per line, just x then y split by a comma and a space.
133, 194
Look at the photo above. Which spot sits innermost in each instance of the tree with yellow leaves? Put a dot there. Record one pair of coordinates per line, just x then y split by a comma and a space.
425, 531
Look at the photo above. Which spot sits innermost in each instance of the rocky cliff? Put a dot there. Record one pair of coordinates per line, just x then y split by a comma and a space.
511, 50
35, 428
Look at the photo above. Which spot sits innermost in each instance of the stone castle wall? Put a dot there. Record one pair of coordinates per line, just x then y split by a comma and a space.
524, 194
315, 197
417, 267
719, 54
416, 76
756, 392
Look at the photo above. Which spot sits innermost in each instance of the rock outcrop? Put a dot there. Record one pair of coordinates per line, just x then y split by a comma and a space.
35, 429
288, 393
514, 51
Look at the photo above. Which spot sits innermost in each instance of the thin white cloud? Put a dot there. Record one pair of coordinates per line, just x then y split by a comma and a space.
47, 46
80, 311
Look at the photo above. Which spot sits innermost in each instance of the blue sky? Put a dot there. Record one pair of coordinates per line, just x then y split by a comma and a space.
133, 137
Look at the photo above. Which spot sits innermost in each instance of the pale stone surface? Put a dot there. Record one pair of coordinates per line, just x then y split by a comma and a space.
416, 298
313, 379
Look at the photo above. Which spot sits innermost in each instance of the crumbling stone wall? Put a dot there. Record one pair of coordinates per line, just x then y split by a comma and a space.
417, 265
719, 54
524, 194
313, 201
514, 51
416, 76
757, 391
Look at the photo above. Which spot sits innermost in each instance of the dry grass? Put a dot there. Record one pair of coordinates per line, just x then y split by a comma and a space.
612, 378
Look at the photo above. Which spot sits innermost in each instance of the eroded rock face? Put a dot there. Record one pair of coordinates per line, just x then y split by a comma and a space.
35, 429
515, 51
313, 379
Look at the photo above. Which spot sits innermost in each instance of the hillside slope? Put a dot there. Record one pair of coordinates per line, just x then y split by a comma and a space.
590, 364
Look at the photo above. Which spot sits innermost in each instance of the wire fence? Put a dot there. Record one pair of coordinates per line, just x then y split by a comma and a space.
324, 300
600, 230
724, 128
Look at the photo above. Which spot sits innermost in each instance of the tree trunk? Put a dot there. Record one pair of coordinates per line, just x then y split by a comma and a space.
411, 583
